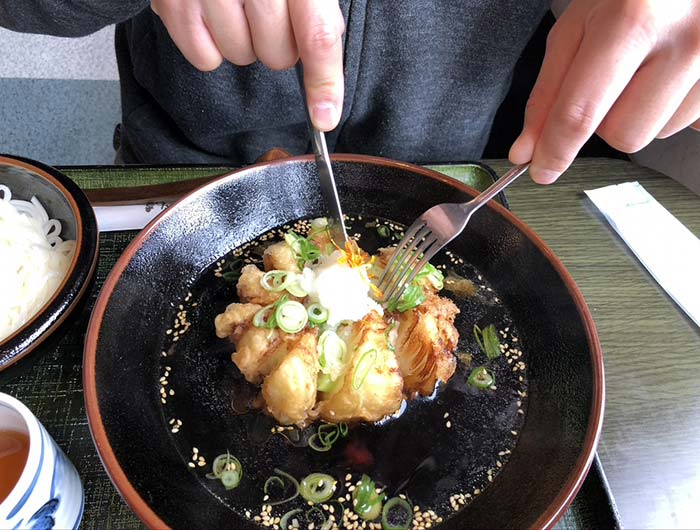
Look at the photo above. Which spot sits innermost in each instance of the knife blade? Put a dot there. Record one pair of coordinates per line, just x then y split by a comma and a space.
329, 191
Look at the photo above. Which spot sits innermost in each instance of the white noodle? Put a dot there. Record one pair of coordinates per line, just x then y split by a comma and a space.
33, 259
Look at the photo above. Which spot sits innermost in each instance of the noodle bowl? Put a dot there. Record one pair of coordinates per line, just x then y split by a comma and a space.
34, 259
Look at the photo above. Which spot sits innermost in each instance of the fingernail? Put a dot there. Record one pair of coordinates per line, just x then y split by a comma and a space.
521, 150
543, 176
325, 115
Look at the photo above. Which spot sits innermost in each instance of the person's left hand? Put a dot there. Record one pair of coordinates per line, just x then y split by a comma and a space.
625, 69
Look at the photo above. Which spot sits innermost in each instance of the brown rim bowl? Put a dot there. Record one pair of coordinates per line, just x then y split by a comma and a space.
64, 201
176, 253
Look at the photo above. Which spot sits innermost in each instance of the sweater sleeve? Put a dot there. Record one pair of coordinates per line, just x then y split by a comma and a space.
66, 18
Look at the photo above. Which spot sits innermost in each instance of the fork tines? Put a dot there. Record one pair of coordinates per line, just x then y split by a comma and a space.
412, 253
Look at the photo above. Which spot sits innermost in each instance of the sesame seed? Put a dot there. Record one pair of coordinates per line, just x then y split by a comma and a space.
191, 464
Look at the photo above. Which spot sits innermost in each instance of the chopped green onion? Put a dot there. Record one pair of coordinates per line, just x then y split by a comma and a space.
317, 314
387, 335
367, 503
316, 443
271, 481
363, 367
481, 378
488, 340
284, 521
327, 435
331, 353
277, 281
317, 487
295, 289
265, 318
223, 462
397, 502
234, 271
230, 479
304, 249
227, 469
324, 383
231, 276
291, 316
383, 231
292, 481
413, 296
434, 275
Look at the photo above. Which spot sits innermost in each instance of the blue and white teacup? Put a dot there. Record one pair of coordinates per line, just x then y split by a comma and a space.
49, 493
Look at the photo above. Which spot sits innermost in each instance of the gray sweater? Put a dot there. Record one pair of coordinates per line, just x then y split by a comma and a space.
423, 80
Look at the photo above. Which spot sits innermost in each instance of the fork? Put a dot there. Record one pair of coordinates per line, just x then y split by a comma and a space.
434, 229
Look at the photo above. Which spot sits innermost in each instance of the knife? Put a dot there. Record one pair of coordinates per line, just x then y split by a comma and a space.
329, 192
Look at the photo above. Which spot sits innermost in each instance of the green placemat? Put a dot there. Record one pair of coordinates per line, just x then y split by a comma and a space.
52, 386
472, 174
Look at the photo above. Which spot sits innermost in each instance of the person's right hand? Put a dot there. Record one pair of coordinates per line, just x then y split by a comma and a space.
277, 32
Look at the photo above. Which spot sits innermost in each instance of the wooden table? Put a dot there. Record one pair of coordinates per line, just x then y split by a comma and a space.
651, 434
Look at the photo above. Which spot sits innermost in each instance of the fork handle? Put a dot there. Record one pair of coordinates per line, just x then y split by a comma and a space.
495, 188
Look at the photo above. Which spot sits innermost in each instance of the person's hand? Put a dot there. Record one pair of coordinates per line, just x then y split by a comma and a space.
626, 69
277, 32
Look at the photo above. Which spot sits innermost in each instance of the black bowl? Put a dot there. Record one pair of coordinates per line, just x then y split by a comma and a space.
130, 354
64, 201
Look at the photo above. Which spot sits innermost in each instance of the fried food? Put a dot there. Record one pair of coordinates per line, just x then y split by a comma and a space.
372, 385
425, 342
251, 291
280, 256
369, 357
258, 350
289, 390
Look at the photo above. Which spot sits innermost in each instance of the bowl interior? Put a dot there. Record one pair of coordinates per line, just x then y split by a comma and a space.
64, 201
133, 429
26, 183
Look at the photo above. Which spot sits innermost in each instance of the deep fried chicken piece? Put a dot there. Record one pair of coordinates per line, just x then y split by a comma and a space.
425, 342
372, 390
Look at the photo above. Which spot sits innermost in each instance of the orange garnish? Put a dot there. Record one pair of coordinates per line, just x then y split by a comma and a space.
377, 292
353, 256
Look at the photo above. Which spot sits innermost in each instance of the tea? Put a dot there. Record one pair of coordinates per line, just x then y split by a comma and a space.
14, 447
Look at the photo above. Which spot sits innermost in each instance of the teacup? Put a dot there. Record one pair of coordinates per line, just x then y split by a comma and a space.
48, 492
